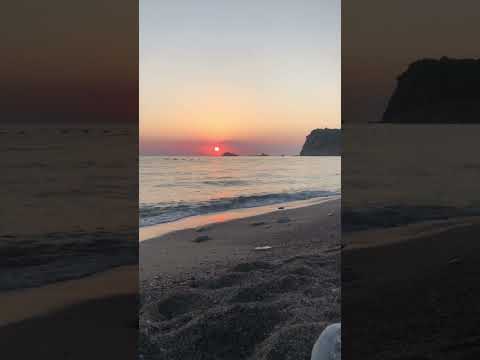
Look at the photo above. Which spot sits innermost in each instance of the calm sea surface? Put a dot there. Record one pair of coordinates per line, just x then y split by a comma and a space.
69, 203
172, 188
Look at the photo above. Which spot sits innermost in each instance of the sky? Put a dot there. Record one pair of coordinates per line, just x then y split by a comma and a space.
381, 38
70, 63
249, 76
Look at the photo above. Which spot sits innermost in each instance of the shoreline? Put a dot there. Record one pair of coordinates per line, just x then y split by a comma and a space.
427, 285
217, 281
154, 252
154, 231
401, 234
28, 303
100, 309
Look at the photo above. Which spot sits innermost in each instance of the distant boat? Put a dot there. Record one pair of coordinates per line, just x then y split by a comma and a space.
229, 154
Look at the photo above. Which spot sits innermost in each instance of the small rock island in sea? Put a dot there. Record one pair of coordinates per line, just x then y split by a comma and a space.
229, 154
323, 142
437, 91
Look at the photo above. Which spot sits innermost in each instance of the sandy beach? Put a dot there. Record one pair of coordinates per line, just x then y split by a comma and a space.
419, 286
99, 310
207, 293
58, 294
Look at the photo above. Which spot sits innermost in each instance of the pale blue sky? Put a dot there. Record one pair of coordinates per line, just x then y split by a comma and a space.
261, 71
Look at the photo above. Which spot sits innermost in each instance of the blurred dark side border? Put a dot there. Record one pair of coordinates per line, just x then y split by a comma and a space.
410, 180
69, 164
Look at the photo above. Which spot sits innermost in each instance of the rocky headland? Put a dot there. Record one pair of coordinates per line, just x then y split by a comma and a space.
437, 91
322, 142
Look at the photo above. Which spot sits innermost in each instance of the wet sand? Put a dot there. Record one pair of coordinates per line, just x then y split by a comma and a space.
207, 293
154, 231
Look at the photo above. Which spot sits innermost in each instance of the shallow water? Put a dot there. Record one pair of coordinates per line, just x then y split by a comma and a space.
173, 188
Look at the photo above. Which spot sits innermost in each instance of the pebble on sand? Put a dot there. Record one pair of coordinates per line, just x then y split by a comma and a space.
262, 248
202, 238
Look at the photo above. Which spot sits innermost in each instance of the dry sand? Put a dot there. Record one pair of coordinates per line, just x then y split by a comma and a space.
95, 317
414, 295
208, 294
23, 304
105, 328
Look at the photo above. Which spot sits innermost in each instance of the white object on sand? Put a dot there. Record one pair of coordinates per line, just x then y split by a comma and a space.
329, 344
259, 248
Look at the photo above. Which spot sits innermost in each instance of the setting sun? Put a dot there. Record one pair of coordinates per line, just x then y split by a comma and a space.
216, 149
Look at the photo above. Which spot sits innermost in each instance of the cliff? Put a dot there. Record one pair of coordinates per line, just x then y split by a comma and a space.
322, 142
437, 91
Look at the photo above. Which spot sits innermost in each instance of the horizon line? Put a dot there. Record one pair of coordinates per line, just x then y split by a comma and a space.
216, 156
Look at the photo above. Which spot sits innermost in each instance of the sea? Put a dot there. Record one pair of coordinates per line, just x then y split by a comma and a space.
397, 174
177, 187
69, 203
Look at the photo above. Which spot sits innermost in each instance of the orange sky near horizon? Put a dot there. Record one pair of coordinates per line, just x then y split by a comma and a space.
210, 79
